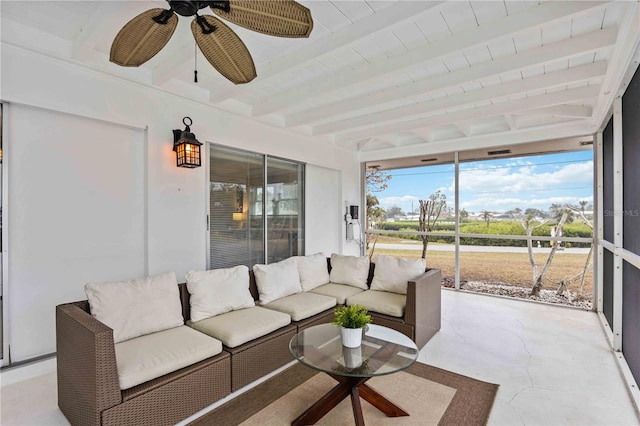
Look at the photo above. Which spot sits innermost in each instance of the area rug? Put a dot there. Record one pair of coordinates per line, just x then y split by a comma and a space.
432, 396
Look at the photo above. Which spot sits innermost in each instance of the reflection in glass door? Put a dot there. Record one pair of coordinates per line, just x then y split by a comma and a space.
236, 232
285, 183
249, 193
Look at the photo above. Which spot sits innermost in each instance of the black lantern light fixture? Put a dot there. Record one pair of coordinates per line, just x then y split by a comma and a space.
186, 146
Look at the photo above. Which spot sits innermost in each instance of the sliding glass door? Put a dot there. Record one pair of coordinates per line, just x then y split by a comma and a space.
284, 209
250, 193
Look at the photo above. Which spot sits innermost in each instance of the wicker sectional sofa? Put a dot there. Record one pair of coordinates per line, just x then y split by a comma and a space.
88, 384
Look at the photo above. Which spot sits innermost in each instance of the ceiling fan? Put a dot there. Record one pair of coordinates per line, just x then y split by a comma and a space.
146, 34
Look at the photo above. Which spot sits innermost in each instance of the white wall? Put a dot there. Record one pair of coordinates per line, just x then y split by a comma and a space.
173, 194
323, 209
72, 215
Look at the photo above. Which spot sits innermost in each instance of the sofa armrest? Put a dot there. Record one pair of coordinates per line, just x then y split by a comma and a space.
87, 371
423, 308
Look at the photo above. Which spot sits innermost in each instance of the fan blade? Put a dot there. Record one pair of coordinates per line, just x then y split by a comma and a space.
282, 18
223, 49
143, 37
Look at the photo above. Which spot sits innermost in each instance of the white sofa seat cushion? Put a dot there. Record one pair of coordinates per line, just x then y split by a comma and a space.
136, 307
383, 302
218, 291
302, 305
313, 271
237, 327
153, 355
338, 291
277, 280
350, 270
392, 273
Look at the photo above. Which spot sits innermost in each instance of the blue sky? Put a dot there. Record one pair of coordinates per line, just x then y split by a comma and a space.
498, 185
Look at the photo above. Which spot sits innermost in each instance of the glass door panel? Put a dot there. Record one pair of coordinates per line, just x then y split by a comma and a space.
284, 209
237, 226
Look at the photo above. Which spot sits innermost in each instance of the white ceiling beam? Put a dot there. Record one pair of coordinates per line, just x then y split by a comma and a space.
622, 57
464, 127
544, 13
511, 121
533, 57
545, 81
350, 145
572, 111
395, 14
501, 108
173, 63
96, 25
502, 139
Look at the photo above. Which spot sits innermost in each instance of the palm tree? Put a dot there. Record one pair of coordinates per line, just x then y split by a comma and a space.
486, 216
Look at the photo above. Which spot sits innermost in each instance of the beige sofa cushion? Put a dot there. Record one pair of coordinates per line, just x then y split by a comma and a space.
277, 280
218, 291
382, 302
302, 305
313, 270
237, 327
153, 355
392, 273
136, 307
339, 291
350, 270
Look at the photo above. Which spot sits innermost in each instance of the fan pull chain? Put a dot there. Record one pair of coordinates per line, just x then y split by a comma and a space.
195, 62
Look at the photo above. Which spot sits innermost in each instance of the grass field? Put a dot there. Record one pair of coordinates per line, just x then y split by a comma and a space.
504, 268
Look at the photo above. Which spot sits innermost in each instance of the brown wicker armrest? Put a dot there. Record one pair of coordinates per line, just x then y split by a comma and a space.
87, 373
423, 305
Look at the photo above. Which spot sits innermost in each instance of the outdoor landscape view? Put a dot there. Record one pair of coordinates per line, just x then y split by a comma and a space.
525, 223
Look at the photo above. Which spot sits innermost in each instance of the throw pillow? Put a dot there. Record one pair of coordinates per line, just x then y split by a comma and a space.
313, 271
350, 270
392, 273
277, 280
218, 291
136, 307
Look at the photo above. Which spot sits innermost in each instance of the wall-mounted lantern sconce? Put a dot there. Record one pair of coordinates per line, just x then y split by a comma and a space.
186, 146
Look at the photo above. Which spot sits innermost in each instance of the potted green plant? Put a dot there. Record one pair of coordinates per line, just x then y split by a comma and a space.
352, 320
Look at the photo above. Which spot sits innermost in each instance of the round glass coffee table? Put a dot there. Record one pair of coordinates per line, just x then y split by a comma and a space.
383, 351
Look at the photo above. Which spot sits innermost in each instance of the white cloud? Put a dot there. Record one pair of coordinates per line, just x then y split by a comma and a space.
506, 180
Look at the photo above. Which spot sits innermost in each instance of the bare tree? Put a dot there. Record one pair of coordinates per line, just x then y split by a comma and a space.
429, 213
588, 262
537, 285
376, 180
529, 223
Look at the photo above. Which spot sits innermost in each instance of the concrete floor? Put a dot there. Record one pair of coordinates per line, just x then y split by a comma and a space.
553, 364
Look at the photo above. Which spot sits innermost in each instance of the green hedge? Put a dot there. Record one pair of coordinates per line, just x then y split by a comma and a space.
503, 227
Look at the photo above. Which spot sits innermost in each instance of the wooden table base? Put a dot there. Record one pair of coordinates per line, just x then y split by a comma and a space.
356, 388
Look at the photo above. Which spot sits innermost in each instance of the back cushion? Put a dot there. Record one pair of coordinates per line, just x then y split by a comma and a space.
313, 271
136, 307
350, 270
218, 291
392, 273
277, 280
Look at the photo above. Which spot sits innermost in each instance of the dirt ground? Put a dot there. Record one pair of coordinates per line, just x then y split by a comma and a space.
510, 274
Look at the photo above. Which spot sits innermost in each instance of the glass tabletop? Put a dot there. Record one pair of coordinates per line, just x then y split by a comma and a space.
383, 351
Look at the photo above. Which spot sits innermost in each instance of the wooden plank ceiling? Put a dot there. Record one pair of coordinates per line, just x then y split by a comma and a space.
378, 76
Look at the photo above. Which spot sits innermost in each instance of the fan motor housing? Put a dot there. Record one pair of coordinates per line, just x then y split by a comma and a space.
186, 7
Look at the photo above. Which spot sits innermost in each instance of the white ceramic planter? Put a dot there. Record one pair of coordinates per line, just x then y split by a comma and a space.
351, 337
